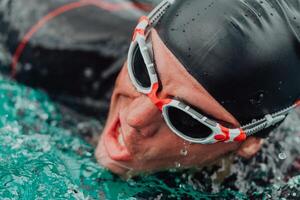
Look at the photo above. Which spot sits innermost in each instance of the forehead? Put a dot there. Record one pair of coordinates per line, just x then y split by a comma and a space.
178, 82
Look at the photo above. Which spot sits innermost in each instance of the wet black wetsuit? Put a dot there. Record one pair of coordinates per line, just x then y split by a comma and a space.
76, 51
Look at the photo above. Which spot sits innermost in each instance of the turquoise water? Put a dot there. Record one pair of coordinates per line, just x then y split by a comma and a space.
44, 154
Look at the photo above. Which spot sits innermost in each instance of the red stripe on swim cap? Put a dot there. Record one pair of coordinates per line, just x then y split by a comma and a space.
297, 103
105, 5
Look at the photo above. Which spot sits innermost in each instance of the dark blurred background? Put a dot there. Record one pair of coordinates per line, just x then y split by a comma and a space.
72, 51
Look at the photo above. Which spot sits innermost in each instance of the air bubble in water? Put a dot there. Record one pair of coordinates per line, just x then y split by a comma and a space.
88, 72
282, 156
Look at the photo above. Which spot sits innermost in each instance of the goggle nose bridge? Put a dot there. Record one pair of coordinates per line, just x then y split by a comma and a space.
158, 102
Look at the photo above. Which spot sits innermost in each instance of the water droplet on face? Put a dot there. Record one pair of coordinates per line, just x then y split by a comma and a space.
177, 165
183, 152
282, 156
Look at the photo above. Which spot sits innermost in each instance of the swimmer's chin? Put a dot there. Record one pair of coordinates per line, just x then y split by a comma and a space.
119, 168
103, 158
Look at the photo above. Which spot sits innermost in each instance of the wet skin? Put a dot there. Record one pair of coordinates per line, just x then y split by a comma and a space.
136, 138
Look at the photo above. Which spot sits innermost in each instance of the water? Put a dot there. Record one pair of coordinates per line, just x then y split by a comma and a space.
44, 154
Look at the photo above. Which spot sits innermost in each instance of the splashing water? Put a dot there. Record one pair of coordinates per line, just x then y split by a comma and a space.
43, 155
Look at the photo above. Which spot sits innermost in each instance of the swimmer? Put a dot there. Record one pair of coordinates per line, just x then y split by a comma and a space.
203, 79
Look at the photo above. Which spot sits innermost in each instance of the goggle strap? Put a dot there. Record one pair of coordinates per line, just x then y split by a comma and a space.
268, 120
159, 11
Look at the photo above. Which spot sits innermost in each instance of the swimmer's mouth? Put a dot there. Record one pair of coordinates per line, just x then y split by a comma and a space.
114, 143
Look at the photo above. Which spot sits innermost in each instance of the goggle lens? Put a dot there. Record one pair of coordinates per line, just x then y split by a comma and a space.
139, 69
186, 124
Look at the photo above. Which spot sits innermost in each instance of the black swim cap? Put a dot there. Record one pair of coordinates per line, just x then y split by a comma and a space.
246, 53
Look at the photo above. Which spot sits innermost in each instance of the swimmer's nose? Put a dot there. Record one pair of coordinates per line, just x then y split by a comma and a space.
144, 116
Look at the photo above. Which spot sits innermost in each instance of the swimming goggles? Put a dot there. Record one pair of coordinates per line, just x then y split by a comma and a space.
184, 120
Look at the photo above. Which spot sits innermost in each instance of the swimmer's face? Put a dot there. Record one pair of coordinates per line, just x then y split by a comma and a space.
136, 138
